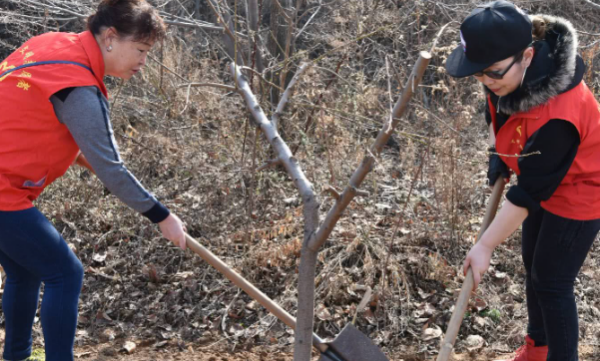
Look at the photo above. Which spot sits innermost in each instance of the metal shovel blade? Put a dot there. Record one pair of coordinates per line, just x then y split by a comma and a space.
353, 345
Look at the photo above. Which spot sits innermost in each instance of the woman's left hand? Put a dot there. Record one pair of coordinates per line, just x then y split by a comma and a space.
478, 259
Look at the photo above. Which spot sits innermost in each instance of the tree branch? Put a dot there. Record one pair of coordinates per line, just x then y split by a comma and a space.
222, 21
211, 85
192, 25
308, 260
269, 164
287, 94
591, 3
368, 161
284, 153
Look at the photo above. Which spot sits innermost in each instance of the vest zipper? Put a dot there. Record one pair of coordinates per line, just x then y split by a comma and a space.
498, 105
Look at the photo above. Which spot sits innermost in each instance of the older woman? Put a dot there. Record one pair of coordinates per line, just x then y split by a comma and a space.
54, 112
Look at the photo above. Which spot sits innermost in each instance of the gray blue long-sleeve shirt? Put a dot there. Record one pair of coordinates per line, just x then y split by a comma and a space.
84, 111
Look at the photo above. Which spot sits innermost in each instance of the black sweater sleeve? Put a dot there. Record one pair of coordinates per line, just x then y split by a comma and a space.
558, 142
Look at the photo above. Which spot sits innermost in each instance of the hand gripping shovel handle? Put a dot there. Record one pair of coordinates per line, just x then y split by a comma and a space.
249, 288
467, 287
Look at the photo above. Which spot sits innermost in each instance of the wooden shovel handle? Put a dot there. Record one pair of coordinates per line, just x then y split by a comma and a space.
467, 287
249, 288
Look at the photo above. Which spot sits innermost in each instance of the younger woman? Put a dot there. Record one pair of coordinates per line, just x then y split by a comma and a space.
545, 127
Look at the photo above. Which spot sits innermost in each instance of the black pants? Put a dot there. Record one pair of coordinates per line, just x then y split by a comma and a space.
554, 249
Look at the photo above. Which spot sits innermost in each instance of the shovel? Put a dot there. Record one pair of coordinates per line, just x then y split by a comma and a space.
349, 345
467, 288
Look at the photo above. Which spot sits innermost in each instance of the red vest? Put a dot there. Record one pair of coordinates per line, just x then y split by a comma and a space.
578, 195
35, 148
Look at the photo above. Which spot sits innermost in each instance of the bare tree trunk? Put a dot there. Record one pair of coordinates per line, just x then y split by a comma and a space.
280, 9
310, 249
304, 325
254, 55
306, 295
228, 37
279, 43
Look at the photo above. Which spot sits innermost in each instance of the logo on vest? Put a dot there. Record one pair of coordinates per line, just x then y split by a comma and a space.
32, 184
517, 141
5, 67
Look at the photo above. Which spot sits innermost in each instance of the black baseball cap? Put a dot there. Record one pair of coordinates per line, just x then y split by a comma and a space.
492, 32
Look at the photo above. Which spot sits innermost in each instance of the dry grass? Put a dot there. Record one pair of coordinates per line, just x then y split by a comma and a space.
198, 156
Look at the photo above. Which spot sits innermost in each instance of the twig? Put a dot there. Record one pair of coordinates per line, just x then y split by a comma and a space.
254, 71
254, 173
537, 152
162, 70
369, 159
389, 82
591, 3
334, 193
223, 23
415, 137
283, 11
439, 34
308, 21
211, 85
291, 164
116, 97
350, 42
269, 164
191, 25
166, 67
187, 98
328, 139
586, 33
103, 275
397, 227
242, 164
287, 94
310, 117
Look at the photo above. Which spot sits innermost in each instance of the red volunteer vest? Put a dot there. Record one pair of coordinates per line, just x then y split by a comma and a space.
578, 195
35, 148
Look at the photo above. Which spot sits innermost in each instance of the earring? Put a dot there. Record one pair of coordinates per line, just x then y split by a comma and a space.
523, 78
109, 48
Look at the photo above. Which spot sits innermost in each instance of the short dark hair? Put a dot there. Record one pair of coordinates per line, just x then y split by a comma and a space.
135, 18
520, 54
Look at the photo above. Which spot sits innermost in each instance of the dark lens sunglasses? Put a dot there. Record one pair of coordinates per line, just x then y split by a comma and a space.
499, 74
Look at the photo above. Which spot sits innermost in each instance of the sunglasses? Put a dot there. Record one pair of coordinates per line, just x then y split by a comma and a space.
494, 74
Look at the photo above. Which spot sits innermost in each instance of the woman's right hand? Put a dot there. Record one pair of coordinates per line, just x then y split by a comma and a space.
478, 259
173, 229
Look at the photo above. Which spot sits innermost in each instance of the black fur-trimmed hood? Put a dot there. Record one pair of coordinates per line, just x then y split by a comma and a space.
555, 67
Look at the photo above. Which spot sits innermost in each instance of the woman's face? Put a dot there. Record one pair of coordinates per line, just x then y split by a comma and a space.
123, 57
512, 79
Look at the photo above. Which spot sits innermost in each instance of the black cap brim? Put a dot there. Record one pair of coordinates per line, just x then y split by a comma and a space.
458, 66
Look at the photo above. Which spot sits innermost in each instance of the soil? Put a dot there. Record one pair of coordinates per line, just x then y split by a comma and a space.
110, 352
107, 352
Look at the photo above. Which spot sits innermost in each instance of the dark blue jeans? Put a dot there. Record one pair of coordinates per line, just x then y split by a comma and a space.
31, 252
554, 249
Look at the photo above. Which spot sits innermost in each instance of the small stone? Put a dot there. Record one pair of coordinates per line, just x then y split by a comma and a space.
474, 342
129, 346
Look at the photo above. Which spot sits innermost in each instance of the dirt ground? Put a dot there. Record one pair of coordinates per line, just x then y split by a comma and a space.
106, 352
